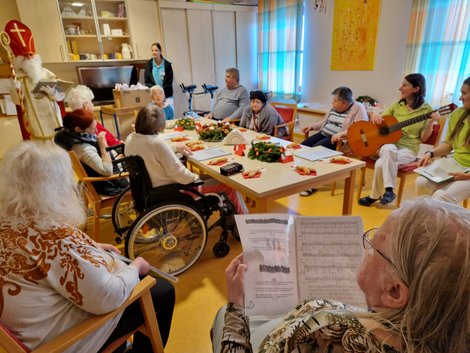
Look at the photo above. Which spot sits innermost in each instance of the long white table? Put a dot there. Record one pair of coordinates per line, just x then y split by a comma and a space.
278, 179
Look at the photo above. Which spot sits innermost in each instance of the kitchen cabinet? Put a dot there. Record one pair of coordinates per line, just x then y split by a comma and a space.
144, 25
93, 30
96, 30
44, 21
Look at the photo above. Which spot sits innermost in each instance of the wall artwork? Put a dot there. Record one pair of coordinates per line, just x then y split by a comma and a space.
355, 25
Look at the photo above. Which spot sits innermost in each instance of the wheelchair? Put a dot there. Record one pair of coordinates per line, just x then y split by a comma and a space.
168, 225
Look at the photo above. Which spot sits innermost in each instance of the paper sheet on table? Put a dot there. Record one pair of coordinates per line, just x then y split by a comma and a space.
209, 153
291, 258
316, 153
170, 135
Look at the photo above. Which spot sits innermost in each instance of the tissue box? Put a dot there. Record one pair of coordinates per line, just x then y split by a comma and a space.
131, 98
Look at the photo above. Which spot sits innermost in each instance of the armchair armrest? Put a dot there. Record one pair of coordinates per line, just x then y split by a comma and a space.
106, 178
65, 340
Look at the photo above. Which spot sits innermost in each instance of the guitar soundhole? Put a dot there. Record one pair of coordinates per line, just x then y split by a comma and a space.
384, 130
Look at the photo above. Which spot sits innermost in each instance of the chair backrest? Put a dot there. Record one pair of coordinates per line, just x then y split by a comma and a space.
9, 343
287, 111
141, 292
141, 185
437, 130
82, 176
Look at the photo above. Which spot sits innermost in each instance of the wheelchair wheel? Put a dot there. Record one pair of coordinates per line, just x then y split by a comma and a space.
124, 213
170, 237
221, 249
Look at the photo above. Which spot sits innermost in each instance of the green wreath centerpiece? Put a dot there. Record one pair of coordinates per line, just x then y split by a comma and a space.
366, 99
186, 123
266, 152
214, 132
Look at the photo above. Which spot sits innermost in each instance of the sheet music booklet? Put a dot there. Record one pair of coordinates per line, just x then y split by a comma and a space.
316, 153
439, 170
60, 85
292, 258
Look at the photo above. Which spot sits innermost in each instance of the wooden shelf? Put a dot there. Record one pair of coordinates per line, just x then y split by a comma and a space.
123, 36
75, 18
112, 18
74, 36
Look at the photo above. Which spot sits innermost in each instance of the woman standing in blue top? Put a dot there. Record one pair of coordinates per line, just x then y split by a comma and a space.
158, 99
158, 71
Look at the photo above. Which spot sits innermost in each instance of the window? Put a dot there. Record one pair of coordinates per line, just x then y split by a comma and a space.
280, 47
439, 47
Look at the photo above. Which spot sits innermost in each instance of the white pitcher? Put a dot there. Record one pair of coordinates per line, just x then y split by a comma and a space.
126, 51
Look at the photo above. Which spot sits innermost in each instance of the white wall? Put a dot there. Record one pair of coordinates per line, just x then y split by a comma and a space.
381, 83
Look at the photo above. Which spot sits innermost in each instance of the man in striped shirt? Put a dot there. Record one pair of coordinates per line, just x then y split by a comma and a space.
334, 125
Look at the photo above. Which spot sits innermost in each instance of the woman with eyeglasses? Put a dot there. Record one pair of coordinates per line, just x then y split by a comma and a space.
415, 276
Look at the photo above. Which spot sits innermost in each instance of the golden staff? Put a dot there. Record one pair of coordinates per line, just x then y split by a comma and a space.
5, 40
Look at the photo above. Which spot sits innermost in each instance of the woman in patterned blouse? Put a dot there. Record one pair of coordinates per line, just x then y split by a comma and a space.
415, 276
52, 275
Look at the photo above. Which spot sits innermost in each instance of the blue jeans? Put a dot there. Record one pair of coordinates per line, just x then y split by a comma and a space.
319, 140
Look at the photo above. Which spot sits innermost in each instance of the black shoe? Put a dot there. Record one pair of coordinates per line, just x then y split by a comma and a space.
366, 201
308, 192
387, 197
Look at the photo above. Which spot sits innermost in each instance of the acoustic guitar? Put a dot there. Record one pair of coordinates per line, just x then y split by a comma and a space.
365, 138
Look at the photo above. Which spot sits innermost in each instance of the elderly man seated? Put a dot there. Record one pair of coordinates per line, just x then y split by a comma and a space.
231, 100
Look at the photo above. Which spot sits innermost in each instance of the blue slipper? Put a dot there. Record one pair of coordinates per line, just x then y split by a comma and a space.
387, 197
366, 201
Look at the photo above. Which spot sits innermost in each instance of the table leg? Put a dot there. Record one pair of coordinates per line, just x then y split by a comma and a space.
349, 184
261, 206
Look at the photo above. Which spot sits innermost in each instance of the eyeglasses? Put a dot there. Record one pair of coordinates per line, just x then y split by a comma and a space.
366, 237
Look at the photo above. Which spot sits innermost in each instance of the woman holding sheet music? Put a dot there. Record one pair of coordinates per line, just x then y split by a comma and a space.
457, 140
53, 276
415, 276
410, 105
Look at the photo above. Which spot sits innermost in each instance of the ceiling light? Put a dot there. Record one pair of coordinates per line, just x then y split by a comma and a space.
78, 4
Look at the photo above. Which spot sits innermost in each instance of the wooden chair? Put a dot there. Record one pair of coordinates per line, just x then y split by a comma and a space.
288, 113
92, 197
141, 292
407, 169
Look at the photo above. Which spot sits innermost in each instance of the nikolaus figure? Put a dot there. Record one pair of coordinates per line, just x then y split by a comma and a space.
38, 113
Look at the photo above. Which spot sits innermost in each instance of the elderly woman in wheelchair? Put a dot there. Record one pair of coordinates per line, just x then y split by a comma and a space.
171, 205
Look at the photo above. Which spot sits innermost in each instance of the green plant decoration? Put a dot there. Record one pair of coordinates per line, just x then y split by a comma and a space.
266, 152
186, 123
214, 132
366, 99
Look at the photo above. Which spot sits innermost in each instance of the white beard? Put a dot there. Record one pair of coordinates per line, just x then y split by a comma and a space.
31, 66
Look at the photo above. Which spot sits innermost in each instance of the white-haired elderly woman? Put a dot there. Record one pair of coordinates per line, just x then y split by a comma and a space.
160, 159
415, 276
53, 276
158, 99
81, 97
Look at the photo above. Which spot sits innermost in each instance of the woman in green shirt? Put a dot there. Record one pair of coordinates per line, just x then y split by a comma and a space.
410, 105
457, 140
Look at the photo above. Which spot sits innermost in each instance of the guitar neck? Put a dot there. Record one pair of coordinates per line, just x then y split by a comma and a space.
408, 122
